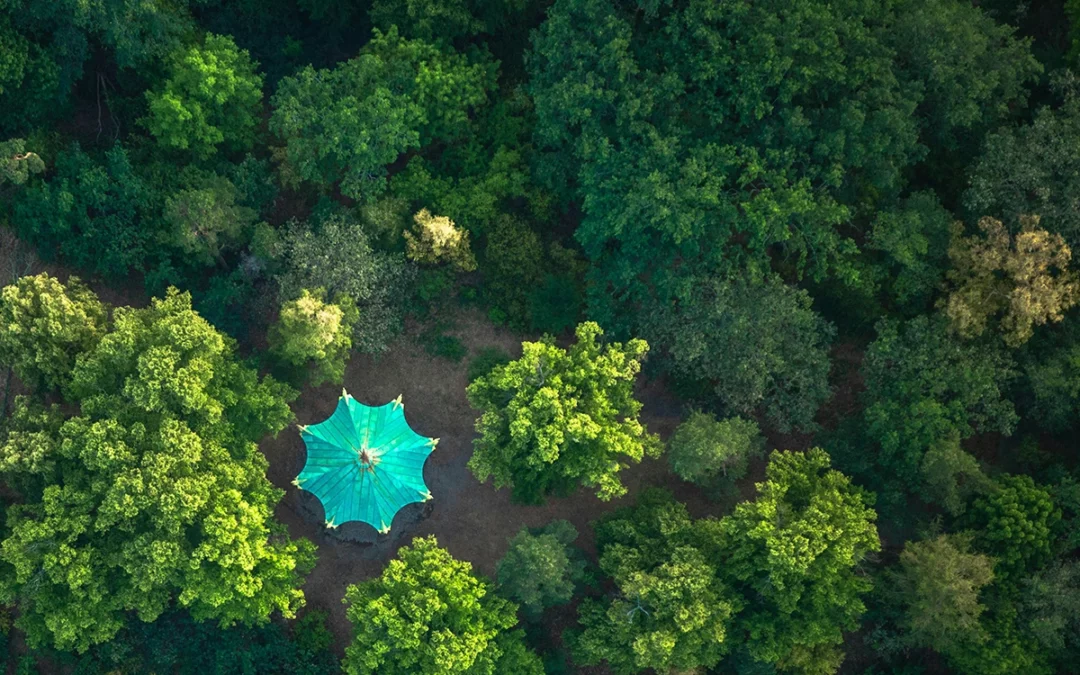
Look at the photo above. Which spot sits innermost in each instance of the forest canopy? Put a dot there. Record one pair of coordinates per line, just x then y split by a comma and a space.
750, 330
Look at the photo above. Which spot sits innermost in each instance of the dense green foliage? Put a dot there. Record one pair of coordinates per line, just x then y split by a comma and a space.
794, 553
174, 643
429, 613
672, 610
923, 387
337, 257
212, 97
153, 493
703, 450
346, 124
715, 135
1015, 524
17, 163
91, 212
312, 331
557, 417
776, 581
847, 224
45, 325
939, 580
757, 343
541, 570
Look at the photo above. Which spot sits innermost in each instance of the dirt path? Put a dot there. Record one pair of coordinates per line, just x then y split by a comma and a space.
472, 520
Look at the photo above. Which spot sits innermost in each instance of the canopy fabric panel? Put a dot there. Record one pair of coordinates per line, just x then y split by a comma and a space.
364, 463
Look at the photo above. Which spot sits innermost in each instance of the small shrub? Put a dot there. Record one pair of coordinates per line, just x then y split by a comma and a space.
485, 361
437, 343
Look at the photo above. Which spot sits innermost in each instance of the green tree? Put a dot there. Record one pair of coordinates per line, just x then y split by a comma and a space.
428, 613
541, 570
204, 220
435, 21
1052, 367
346, 124
759, 344
1031, 169
443, 21
703, 450
483, 175
939, 581
922, 385
913, 239
1050, 610
671, 611
558, 417
30, 79
45, 325
211, 97
17, 163
512, 266
175, 643
950, 475
793, 553
1005, 651
46, 46
156, 492
1015, 523
336, 255
98, 215
312, 331
713, 137
969, 70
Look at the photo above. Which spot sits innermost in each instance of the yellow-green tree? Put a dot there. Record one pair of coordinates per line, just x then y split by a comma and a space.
558, 417
154, 494
428, 613
1025, 277
44, 325
436, 239
310, 330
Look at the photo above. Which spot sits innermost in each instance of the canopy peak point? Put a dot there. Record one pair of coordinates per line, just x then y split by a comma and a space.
364, 463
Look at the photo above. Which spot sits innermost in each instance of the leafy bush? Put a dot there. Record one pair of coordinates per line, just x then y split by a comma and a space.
485, 361
703, 450
312, 332
437, 343
541, 569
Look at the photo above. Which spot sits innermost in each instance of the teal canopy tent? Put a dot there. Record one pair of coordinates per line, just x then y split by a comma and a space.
365, 463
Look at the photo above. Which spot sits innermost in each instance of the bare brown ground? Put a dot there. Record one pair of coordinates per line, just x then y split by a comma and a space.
472, 520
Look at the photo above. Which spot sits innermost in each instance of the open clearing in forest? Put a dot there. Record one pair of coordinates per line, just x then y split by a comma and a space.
472, 520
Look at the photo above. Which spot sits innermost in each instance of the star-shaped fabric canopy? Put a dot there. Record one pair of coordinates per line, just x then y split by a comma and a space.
365, 463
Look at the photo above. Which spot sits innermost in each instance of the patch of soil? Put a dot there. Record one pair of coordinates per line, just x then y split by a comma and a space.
472, 520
